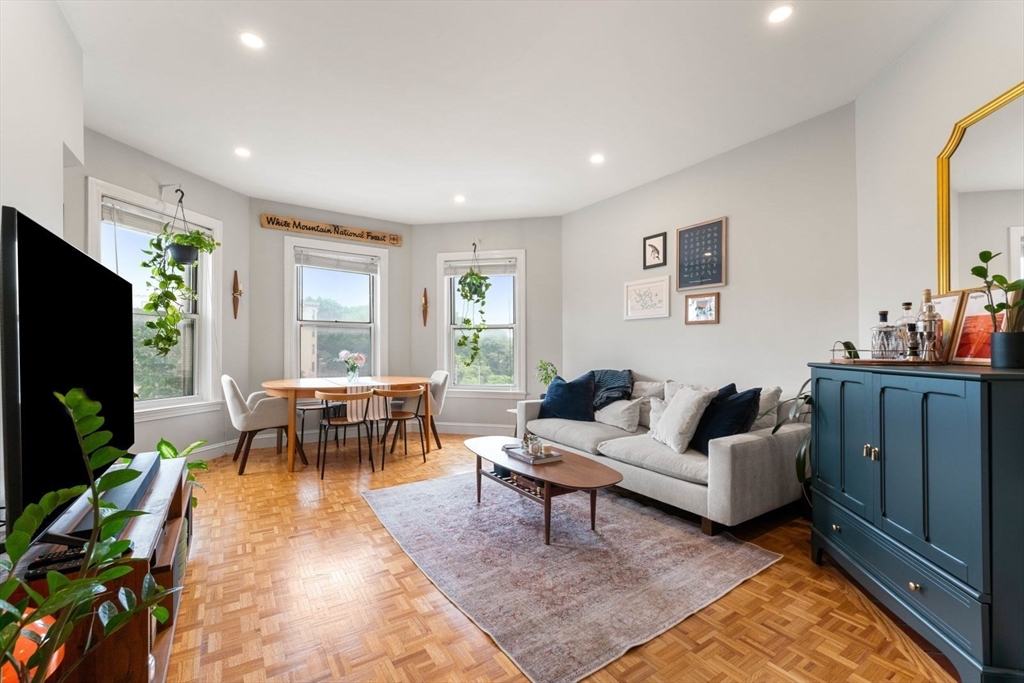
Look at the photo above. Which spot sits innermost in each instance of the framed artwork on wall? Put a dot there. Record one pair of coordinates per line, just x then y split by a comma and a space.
702, 309
655, 250
972, 341
948, 306
702, 255
647, 298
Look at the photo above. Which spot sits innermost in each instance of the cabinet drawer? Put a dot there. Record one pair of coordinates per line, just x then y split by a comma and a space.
918, 584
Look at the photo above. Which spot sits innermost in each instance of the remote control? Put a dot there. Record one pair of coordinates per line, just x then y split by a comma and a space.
63, 567
57, 556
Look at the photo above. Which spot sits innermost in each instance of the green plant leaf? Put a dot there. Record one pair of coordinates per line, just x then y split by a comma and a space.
55, 581
980, 271
96, 440
8, 607
115, 572
986, 256
149, 587
166, 449
126, 598
115, 478
191, 447
88, 424
17, 544
106, 611
105, 456
160, 613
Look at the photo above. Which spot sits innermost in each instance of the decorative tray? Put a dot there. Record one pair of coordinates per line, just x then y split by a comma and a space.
842, 350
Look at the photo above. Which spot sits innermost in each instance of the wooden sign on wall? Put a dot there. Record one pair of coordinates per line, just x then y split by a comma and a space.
269, 220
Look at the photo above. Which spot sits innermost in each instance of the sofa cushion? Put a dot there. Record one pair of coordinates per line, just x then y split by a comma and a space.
657, 410
767, 415
647, 391
655, 456
621, 414
583, 436
611, 386
728, 414
682, 414
570, 400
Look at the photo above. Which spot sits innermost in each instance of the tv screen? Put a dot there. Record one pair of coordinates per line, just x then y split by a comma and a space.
67, 322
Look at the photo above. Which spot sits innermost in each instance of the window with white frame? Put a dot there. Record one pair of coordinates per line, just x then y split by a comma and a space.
499, 364
336, 307
125, 228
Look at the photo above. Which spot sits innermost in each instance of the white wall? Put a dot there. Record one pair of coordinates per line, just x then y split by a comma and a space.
264, 292
792, 270
904, 119
542, 240
127, 167
983, 219
40, 109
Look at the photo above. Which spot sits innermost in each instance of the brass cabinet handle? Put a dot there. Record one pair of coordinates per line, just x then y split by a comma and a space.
874, 454
835, 527
867, 450
914, 587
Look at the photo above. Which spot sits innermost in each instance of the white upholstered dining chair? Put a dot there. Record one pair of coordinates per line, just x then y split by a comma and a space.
252, 415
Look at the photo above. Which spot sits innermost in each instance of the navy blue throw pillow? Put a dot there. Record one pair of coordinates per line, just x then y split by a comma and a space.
611, 386
570, 400
729, 413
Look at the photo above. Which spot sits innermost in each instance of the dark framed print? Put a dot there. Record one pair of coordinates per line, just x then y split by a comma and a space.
702, 309
655, 250
702, 254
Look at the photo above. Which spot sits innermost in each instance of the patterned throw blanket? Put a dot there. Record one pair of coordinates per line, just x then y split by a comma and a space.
611, 386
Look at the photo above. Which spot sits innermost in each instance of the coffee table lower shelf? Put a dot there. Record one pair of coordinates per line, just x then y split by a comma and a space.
542, 493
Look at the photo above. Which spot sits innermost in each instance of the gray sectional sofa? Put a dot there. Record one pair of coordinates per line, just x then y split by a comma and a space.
741, 477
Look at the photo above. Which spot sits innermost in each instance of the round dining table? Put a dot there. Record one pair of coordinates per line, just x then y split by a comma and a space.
294, 389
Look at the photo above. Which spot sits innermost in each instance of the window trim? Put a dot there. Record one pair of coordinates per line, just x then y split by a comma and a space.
291, 318
444, 341
208, 358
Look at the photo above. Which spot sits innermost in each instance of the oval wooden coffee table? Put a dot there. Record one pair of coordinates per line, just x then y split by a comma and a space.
542, 482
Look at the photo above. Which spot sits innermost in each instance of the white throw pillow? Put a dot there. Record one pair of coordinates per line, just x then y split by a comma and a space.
647, 391
769, 401
657, 410
622, 414
679, 421
671, 387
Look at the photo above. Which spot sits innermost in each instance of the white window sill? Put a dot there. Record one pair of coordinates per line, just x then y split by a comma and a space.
486, 393
181, 410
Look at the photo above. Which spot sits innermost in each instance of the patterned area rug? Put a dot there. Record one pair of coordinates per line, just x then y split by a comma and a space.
562, 611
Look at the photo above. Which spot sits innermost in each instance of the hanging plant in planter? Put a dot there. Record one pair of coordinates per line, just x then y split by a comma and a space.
473, 288
170, 253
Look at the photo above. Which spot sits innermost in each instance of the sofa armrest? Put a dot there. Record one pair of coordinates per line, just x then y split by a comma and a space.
753, 473
526, 411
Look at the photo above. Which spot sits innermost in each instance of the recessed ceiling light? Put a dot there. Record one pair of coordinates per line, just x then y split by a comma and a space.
252, 40
780, 14
459, 199
243, 152
597, 158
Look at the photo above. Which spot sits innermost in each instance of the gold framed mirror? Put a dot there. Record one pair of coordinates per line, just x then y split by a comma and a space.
981, 192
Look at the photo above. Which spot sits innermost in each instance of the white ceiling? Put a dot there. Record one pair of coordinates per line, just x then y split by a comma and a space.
389, 109
991, 155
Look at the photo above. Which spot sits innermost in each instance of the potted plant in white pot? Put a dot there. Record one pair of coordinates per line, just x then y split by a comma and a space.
1007, 344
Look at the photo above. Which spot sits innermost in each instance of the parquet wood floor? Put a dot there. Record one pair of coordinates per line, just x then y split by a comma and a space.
294, 579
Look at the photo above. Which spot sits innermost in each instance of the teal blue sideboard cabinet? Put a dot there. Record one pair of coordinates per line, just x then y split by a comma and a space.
918, 491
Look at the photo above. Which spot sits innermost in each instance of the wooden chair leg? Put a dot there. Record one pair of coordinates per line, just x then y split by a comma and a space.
245, 451
433, 428
280, 438
423, 438
238, 448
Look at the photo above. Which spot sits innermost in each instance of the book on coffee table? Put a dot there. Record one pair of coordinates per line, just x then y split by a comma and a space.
521, 455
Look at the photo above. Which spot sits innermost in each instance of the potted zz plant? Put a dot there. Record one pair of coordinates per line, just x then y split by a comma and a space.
168, 290
1007, 345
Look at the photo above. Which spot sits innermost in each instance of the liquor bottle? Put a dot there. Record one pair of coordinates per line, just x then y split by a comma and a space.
913, 343
883, 338
929, 327
902, 329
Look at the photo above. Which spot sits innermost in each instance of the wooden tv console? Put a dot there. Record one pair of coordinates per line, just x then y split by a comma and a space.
162, 540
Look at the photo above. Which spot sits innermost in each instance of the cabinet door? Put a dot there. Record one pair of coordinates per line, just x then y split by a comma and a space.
931, 470
842, 423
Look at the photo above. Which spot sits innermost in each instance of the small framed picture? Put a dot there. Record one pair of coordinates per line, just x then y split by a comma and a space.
655, 249
972, 340
702, 255
948, 306
647, 299
702, 309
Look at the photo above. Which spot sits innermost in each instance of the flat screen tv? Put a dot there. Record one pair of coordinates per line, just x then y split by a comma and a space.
67, 323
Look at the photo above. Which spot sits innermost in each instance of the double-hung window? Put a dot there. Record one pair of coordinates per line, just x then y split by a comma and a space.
335, 308
122, 223
498, 367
